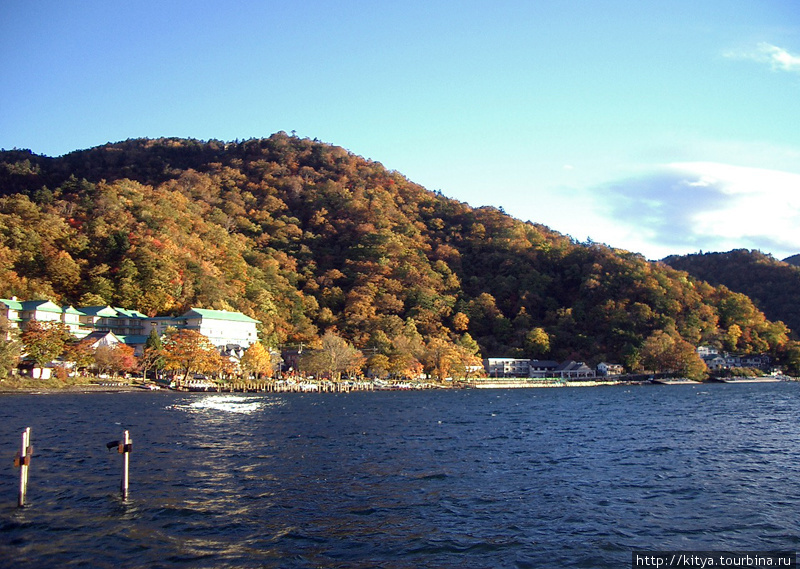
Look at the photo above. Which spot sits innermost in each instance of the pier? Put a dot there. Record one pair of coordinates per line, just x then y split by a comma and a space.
275, 386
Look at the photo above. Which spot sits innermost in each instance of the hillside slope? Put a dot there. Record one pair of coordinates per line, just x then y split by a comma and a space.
307, 237
773, 285
793, 260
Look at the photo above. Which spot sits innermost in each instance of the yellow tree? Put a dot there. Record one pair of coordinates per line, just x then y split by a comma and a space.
537, 342
378, 364
341, 355
466, 364
467, 359
407, 348
440, 355
460, 322
257, 360
732, 336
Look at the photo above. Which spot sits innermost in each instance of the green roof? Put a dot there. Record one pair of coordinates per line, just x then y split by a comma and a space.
70, 310
133, 339
219, 315
102, 311
130, 313
41, 306
12, 304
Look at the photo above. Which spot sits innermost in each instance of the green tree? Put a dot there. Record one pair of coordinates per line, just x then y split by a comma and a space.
469, 344
10, 347
790, 357
153, 354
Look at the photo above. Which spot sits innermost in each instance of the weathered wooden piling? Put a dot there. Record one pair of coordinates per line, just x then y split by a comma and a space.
23, 461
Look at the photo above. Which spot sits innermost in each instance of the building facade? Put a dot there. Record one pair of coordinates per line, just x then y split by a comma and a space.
229, 331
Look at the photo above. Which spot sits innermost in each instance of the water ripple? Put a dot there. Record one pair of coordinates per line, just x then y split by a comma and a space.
528, 478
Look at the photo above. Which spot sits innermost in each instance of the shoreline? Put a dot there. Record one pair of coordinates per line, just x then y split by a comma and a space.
71, 389
133, 388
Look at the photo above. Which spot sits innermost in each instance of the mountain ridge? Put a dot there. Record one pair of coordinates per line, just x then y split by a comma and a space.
306, 236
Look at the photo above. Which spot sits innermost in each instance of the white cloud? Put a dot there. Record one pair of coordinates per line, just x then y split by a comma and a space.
778, 58
685, 207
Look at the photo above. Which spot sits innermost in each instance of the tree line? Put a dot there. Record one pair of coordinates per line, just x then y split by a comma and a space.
310, 239
184, 353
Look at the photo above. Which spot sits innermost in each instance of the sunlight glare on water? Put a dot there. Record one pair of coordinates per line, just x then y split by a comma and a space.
227, 403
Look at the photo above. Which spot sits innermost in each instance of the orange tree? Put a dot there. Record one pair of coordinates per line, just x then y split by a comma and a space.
335, 357
44, 341
81, 353
666, 351
190, 351
115, 358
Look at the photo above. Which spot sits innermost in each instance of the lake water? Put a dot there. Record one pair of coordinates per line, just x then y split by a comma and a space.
476, 478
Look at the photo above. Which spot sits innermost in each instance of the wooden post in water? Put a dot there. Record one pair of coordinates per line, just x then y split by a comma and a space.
125, 448
23, 460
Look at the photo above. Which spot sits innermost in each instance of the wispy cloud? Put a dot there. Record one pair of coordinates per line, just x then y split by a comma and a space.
776, 57
684, 207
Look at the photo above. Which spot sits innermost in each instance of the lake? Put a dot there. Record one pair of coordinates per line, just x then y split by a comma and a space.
561, 477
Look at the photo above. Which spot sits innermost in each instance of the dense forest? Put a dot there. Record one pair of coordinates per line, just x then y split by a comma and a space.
774, 286
308, 238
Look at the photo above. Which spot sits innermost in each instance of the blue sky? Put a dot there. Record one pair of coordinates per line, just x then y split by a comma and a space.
656, 127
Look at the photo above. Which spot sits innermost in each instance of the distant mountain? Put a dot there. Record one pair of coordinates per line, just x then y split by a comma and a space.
773, 285
307, 237
793, 260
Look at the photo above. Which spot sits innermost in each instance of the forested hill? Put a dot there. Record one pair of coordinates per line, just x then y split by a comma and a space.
793, 260
307, 237
773, 285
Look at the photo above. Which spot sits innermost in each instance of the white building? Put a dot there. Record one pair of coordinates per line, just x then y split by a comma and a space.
222, 327
606, 369
231, 331
507, 367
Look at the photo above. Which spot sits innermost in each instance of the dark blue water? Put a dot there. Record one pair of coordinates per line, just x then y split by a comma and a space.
483, 478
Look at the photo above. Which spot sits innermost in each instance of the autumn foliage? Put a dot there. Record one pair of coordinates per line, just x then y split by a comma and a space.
189, 352
309, 238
